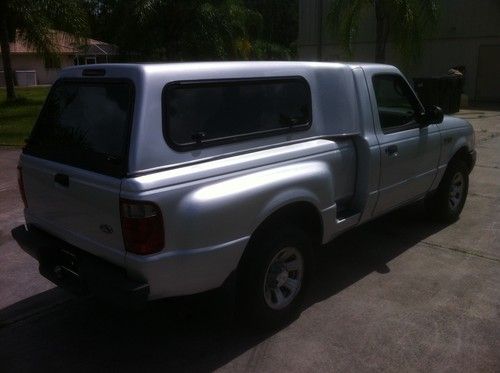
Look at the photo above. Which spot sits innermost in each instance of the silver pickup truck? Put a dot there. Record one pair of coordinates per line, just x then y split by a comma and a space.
158, 180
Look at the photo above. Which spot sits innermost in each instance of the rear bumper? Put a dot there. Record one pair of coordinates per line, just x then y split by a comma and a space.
149, 277
77, 271
184, 272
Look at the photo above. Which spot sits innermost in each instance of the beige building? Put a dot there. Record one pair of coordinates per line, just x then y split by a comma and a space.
30, 69
468, 34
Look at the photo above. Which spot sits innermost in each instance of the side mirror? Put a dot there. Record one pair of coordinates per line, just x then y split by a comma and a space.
432, 115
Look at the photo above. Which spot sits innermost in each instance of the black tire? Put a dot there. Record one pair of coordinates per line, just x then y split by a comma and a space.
255, 273
444, 205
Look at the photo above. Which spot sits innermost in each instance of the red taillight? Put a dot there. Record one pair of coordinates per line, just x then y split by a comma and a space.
20, 182
142, 227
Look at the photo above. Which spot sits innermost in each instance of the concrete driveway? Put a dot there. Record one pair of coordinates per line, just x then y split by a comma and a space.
398, 294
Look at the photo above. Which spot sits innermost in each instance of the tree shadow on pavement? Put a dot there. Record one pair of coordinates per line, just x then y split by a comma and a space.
190, 333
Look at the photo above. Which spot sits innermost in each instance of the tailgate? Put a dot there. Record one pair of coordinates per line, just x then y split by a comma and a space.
74, 161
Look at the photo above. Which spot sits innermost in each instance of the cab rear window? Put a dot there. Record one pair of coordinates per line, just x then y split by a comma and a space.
210, 112
85, 123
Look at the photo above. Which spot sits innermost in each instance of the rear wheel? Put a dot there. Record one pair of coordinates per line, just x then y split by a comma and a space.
283, 278
448, 201
273, 276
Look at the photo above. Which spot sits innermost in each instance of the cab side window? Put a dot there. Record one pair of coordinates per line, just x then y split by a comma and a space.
396, 102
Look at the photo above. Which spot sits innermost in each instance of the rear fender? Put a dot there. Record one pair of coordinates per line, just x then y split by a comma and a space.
237, 206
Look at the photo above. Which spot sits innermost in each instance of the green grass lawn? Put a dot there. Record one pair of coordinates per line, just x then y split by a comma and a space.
17, 118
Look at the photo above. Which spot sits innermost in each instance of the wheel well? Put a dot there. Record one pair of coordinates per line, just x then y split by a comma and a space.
303, 214
464, 155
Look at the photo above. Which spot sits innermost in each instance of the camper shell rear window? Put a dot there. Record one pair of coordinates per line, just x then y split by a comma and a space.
86, 123
204, 113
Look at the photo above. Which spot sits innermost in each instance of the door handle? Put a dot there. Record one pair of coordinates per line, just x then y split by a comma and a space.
392, 151
62, 180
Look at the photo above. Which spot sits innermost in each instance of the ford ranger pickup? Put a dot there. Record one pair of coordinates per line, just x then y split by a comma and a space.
145, 181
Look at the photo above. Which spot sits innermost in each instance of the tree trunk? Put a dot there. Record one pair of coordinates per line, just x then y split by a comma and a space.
7, 66
382, 31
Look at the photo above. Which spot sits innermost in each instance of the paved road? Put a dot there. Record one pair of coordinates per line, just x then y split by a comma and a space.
398, 294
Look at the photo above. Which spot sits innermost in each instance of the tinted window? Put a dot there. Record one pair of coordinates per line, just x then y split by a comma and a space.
397, 105
201, 113
85, 124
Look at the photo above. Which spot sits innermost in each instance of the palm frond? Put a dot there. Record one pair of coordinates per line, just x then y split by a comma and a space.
411, 21
343, 20
142, 9
37, 20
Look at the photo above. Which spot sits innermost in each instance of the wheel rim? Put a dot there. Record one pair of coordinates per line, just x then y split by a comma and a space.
456, 191
283, 278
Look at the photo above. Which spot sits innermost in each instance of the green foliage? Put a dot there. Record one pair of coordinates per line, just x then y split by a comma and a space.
343, 20
280, 22
36, 19
405, 22
182, 30
413, 20
17, 117
263, 50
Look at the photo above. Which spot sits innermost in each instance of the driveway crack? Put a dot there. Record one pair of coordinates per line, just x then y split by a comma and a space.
463, 251
481, 196
486, 166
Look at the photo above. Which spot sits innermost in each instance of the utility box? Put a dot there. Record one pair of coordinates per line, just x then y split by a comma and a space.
26, 78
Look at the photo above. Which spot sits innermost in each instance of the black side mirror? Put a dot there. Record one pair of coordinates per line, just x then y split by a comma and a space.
432, 115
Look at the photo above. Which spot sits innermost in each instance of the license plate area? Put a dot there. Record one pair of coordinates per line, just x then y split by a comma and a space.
62, 267
68, 262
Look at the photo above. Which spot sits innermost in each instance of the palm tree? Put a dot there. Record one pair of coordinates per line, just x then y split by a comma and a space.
33, 21
405, 21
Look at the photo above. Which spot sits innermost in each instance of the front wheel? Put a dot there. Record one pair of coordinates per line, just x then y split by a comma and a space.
448, 201
273, 276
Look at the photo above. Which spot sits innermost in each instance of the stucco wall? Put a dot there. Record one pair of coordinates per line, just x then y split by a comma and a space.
34, 62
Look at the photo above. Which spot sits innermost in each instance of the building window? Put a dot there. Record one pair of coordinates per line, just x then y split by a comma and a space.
52, 63
90, 60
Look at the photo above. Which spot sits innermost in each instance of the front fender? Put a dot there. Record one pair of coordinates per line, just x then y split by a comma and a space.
456, 134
